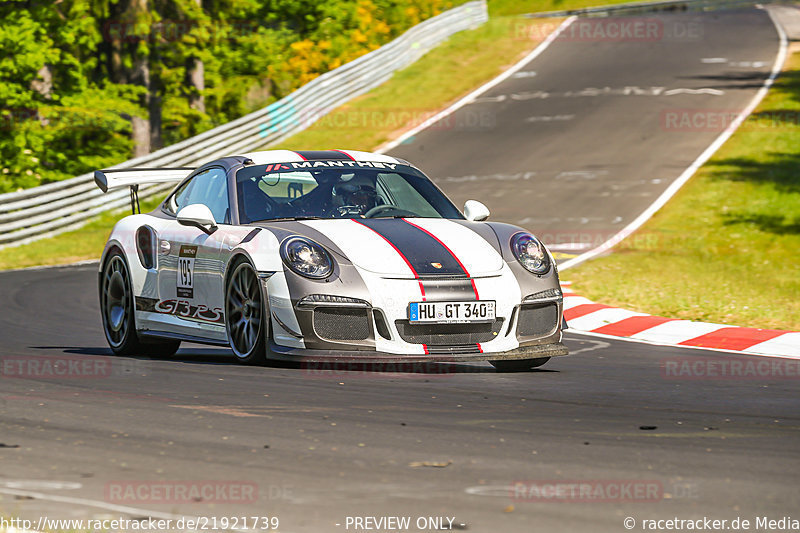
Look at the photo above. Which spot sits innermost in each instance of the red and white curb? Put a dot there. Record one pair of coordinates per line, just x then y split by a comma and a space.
586, 316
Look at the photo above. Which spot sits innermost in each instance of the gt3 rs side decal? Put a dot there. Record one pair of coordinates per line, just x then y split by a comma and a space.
180, 308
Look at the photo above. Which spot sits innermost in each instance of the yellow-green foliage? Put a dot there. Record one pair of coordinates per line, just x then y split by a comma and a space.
467, 60
253, 53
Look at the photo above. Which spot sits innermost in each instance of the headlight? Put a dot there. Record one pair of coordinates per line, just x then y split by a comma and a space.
306, 257
530, 253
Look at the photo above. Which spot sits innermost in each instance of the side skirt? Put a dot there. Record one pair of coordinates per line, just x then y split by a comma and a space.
179, 337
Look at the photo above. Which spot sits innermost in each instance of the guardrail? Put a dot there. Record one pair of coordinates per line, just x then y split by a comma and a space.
47, 210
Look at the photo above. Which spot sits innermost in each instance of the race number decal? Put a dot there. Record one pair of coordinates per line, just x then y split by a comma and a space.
186, 271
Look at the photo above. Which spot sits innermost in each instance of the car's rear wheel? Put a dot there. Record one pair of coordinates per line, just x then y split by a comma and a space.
246, 315
519, 365
117, 309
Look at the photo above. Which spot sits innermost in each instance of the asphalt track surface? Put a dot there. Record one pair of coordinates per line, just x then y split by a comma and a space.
323, 445
579, 142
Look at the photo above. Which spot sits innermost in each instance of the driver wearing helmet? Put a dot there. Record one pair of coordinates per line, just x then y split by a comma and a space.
354, 196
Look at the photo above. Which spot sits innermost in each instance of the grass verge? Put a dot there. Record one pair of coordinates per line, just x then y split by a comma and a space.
521, 7
726, 248
442, 76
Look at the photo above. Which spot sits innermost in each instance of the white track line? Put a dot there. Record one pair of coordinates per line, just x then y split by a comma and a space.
689, 172
480, 90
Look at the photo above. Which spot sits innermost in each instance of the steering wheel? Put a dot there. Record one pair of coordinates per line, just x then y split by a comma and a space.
386, 207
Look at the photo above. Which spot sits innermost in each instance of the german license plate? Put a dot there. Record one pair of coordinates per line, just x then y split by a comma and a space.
451, 312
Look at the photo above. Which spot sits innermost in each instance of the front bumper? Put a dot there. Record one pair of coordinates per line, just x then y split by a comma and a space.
331, 321
283, 353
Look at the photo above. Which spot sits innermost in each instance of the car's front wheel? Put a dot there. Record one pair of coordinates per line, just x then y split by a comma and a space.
519, 365
117, 309
246, 315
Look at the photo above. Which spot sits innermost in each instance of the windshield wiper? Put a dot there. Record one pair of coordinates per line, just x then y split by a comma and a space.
284, 219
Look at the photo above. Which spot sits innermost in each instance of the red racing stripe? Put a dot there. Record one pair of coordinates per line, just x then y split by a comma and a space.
583, 309
631, 326
346, 154
416, 276
460, 264
733, 338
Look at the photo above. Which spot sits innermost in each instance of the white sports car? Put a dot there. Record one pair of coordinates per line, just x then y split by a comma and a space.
324, 255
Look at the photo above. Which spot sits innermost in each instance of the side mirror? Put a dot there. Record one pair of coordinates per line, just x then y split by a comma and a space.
475, 211
199, 216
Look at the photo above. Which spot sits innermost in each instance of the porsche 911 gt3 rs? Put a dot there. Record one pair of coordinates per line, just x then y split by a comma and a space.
324, 256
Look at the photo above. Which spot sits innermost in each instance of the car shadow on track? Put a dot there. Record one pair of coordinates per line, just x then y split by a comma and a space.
222, 356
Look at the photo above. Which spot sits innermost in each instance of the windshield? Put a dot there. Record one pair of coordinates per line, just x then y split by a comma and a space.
314, 190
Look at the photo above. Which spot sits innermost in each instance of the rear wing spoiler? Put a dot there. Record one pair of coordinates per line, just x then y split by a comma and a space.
130, 177
107, 180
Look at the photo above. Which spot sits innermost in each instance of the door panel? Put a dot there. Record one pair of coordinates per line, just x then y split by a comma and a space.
192, 262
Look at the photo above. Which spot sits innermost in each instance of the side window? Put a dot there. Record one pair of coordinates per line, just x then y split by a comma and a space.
209, 188
178, 199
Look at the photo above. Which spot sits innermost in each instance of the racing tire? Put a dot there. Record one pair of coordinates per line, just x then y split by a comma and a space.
246, 315
519, 365
117, 310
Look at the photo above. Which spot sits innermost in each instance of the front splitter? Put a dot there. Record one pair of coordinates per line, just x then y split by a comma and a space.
283, 353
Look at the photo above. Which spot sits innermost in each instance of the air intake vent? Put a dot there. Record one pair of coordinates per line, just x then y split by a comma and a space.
380, 324
145, 246
342, 323
537, 320
448, 334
